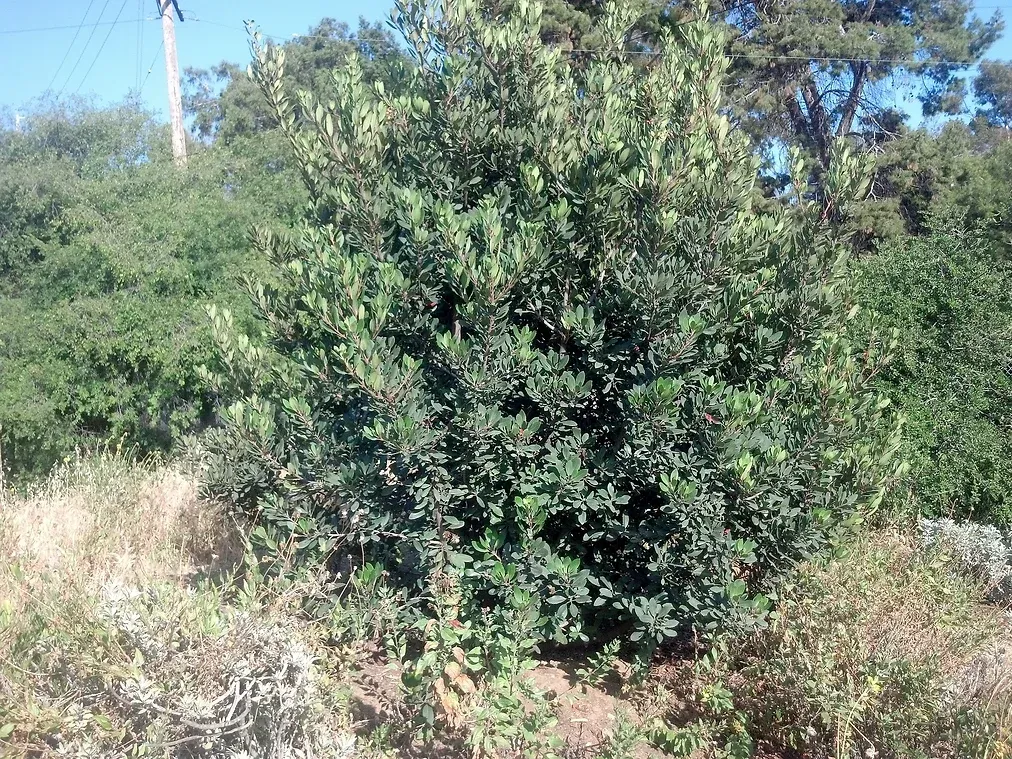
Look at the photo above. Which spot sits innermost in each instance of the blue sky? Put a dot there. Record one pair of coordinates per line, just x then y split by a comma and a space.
213, 31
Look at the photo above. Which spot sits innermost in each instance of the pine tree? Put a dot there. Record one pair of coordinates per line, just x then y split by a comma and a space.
536, 343
807, 71
993, 89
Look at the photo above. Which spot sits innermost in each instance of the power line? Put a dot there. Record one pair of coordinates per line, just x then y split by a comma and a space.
30, 30
283, 37
151, 67
234, 28
72, 26
769, 56
94, 28
77, 33
102, 46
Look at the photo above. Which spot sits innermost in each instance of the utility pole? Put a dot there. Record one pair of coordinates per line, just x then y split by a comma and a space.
166, 8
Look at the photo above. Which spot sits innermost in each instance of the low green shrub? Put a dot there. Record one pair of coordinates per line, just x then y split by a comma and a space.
886, 651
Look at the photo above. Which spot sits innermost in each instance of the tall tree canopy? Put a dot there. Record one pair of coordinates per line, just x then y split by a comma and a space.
993, 90
811, 70
808, 71
572, 25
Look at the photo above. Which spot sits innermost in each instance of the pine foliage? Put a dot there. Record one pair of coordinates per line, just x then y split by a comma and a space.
537, 347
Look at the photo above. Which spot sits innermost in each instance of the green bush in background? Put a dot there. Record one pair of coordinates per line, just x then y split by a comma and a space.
950, 296
542, 350
108, 257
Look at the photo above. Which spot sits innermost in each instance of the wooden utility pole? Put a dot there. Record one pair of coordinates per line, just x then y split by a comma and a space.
166, 8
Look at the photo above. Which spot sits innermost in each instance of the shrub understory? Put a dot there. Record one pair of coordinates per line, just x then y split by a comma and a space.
948, 295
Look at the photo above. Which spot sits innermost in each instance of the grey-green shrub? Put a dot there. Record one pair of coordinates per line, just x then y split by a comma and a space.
979, 550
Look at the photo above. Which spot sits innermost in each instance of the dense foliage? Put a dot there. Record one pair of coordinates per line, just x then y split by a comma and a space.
950, 295
993, 89
541, 342
805, 73
108, 256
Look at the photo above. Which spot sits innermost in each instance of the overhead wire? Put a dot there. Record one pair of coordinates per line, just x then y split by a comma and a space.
84, 49
60, 27
66, 55
101, 47
770, 56
29, 30
151, 67
112, 24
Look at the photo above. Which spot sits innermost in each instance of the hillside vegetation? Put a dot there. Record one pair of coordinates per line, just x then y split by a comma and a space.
108, 258
515, 383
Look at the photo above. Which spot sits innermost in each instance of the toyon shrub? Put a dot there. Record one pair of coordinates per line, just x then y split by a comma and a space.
536, 345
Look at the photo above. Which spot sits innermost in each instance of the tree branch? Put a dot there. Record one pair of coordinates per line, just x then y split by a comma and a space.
853, 99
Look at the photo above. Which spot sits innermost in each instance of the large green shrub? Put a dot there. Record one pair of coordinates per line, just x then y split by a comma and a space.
950, 296
538, 346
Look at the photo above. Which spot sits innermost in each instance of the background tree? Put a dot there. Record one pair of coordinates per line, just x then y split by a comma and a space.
917, 171
809, 71
993, 89
573, 25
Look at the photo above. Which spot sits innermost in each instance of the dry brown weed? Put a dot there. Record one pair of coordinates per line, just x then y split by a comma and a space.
110, 519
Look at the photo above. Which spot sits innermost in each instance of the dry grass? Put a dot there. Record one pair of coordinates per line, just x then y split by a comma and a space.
886, 651
123, 627
100, 522
111, 636
911, 605
918, 607
109, 519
